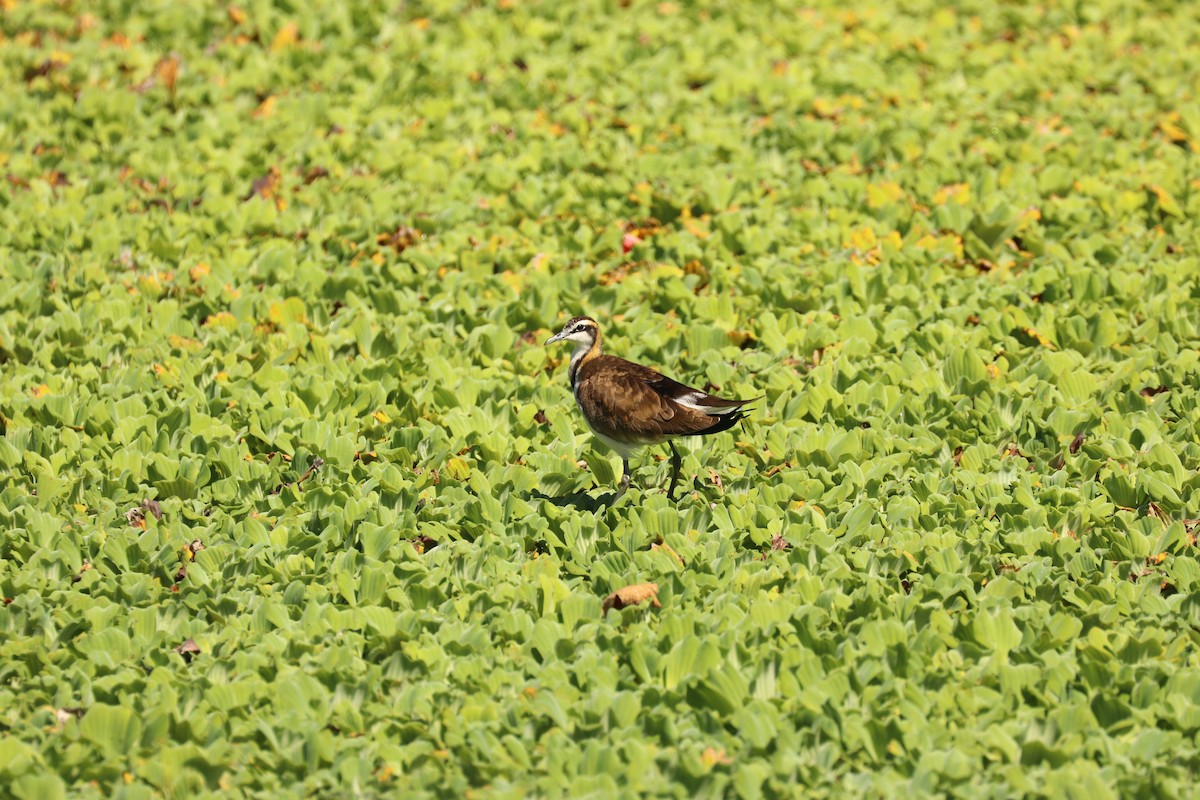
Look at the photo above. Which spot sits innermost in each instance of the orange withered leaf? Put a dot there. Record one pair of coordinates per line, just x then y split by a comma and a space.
267, 186
167, 71
632, 596
265, 109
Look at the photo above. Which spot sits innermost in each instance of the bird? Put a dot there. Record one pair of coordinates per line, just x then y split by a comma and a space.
628, 406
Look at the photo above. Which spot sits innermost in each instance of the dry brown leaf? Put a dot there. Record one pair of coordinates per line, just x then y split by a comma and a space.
632, 596
153, 507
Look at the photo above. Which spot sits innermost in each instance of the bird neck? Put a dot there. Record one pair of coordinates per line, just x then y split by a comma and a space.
584, 352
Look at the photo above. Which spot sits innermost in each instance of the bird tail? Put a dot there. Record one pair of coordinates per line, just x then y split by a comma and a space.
727, 419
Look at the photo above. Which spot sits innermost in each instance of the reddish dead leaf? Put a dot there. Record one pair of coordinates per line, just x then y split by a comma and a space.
188, 650
715, 478
56, 179
632, 596
136, 518
629, 241
1076, 443
1155, 510
540, 417
780, 543
958, 453
1152, 391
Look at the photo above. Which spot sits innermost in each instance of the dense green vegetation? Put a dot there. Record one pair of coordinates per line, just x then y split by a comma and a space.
954, 552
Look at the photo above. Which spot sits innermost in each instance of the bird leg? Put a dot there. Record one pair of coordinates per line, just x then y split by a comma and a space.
624, 479
676, 464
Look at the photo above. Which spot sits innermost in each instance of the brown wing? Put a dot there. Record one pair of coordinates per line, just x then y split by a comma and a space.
629, 402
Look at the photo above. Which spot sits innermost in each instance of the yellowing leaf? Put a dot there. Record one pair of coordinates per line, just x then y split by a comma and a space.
183, 343
1166, 202
862, 239
458, 469
712, 757
40, 390
290, 310
883, 194
1042, 340
1170, 128
825, 109
957, 193
222, 319
287, 37
513, 280
1028, 217
381, 417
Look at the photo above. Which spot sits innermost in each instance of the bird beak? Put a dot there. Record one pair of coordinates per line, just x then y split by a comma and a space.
555, 338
